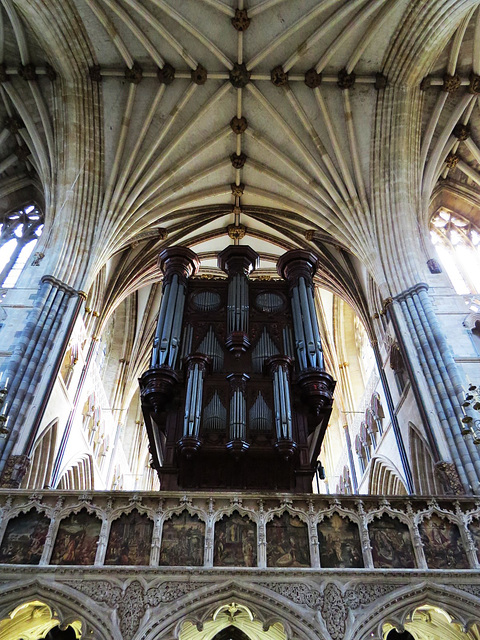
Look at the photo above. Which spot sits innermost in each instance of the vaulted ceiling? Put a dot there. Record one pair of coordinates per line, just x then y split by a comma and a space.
145, 122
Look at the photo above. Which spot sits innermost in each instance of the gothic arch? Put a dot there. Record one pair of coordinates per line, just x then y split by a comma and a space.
200, 605
423, 468
78, 476
397, 606
39, 473
66, 603
384, 479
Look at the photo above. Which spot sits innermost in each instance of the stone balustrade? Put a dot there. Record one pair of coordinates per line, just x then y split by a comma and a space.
208, 530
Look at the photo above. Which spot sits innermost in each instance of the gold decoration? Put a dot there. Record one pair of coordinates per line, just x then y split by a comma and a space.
236, 232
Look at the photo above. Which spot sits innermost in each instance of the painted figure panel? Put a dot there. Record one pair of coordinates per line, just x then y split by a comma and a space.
77, 539
130, 540
24, 538
442, 544
287, 542
235, 542
391, 544
474, 528
340, 546
183, 540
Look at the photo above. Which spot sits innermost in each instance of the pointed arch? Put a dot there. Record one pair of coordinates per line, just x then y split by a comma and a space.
43, 457
423, 465
384, 479
197, 607
67, 604
79, 476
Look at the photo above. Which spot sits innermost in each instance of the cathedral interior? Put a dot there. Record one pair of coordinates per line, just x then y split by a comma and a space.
240, 319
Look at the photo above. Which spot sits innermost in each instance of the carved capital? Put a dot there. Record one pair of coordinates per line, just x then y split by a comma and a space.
448, 475
14, 471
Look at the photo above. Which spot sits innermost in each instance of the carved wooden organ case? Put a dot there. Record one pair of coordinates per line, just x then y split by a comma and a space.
236, 396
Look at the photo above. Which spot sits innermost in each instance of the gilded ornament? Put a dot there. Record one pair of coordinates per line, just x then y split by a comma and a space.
237, 189
236, 232
474, 86
452, 160
451, 83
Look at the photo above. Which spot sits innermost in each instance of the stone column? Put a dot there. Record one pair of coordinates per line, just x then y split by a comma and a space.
414, 308
56, 309
156, 384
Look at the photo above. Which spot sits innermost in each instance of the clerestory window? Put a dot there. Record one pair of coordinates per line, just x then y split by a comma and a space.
457, 241
19, 233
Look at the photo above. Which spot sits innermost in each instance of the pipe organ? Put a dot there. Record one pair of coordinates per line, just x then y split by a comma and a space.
237, 396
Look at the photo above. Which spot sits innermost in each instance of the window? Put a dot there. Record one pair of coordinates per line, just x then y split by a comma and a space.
19, 233
457, 241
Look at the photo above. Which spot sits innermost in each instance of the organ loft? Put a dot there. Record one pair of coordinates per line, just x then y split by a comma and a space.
237, 395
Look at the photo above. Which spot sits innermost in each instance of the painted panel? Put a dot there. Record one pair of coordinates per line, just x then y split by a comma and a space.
391, 544
287, 542
339, 542
183, 541
442, 544
77, 539
235, 542
24, 538
130, 540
